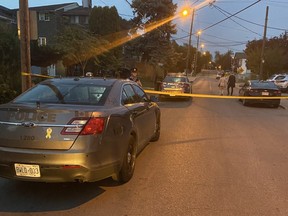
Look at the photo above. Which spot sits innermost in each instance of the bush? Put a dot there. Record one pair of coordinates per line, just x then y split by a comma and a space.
6, 94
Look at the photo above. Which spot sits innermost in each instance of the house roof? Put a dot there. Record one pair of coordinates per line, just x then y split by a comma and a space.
72, 8
53, 7
240, 55
78, 11
6, 13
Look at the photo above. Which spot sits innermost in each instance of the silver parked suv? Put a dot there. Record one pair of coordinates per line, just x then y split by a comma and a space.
282, 82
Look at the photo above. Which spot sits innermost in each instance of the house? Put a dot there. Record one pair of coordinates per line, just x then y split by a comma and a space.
51, 19
240, 64
7, 16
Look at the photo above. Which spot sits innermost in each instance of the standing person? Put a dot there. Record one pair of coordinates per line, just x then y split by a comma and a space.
134, 77
222, 84
231, 83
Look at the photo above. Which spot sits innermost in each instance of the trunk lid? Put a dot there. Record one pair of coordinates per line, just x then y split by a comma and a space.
28, 127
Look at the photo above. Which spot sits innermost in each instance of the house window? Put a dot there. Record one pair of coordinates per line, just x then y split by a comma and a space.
44, 17
42, 41
74, 19
84, 20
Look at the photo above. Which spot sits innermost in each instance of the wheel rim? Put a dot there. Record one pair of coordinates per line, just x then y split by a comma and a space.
131, 156
157, 126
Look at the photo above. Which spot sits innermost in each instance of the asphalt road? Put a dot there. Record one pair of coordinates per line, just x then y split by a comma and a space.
214, 157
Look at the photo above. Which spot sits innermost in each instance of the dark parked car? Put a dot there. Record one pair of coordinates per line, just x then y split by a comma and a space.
76, 130
256, 88
176, 83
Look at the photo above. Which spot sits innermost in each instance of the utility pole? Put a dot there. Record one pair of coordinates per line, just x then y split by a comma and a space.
189, 42
263, 44
25, 44
196, 55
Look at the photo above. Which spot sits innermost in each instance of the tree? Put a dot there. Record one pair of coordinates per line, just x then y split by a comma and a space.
43, 56
224, 60
10, 76
106, 23
155, 46
179, 56
79, 46
203, 60
275, 56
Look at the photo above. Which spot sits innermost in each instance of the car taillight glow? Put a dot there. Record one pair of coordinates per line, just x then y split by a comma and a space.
186, 85
94, 125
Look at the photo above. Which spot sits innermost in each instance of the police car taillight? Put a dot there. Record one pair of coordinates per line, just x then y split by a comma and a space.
83, 126
94, 126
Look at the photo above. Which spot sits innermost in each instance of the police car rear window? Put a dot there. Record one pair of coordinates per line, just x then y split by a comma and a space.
66, 94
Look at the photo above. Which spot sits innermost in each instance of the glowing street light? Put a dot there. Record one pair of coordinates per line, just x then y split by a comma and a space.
202, 46
189, 42
185, 12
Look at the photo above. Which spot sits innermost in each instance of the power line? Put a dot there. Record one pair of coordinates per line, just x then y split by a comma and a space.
231, 15
103, 2
221, 11
235, 43
225, 39
278, 2
129, 3
280, 29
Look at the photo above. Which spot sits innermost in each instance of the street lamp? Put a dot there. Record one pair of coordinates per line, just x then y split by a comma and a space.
202, 46
189, 42
196, 54
184, 13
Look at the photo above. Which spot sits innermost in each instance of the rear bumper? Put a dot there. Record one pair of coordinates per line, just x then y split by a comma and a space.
173, 94
57, 167
264, 101
283, 88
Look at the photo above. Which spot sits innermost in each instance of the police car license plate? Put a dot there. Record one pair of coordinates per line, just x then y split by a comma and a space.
27, 170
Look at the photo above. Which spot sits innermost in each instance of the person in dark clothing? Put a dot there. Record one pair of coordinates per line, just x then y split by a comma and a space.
231, 83
134, 77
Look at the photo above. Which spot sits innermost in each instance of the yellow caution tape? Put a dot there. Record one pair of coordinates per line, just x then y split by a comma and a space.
211, 96
35, 75
184, 94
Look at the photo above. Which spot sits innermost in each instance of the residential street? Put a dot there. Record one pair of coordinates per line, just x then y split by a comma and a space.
214, 157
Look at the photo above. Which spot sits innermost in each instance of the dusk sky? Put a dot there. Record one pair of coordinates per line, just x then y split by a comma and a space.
231, 34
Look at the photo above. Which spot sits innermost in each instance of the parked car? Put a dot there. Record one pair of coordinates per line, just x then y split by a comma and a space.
76, 130
176, 83
263, 89
282, 82
273, 77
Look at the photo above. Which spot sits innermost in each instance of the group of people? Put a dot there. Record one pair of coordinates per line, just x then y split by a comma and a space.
230, 84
